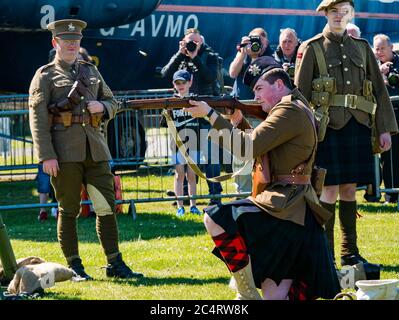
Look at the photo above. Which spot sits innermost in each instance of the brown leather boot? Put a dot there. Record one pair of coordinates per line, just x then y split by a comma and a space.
245, 284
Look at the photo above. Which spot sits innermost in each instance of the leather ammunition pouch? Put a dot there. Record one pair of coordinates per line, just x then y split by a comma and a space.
317, 179
67, 119
324, 95
260, 175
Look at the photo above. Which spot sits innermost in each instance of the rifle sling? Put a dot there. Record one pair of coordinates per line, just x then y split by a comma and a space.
182, 148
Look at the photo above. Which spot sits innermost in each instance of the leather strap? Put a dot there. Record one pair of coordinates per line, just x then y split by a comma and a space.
77, 119
181, 146
292, 179
321, 61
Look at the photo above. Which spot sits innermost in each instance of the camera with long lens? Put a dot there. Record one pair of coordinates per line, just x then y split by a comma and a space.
256, 44
393, 77
191, 46
291, 70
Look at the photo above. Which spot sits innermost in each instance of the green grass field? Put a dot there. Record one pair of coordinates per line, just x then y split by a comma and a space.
174, 254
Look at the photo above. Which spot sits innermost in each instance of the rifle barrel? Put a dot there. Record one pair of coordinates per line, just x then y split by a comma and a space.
251, 107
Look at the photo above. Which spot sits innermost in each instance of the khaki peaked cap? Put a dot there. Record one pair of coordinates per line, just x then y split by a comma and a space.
327, 4
67, 29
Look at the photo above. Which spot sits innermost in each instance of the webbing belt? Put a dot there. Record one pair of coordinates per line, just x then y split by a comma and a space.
182, 148
352, 101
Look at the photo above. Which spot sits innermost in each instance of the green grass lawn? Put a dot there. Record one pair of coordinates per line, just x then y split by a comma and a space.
174, 254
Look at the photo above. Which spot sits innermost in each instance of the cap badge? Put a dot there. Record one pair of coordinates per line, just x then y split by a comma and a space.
71, 27
254, 70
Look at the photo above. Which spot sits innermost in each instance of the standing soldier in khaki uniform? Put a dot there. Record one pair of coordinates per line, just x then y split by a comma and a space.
68, 98
274, 240
339, 75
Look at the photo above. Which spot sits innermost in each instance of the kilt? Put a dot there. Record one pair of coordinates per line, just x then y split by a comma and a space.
347, 155
280, 249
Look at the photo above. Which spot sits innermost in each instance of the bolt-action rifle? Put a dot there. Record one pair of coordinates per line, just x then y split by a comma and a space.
225, 104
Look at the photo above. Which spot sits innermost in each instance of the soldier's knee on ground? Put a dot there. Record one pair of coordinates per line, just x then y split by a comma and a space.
100, 204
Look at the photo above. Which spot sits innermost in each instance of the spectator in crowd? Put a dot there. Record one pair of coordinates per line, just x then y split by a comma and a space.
45, 191
389, 66
285, 53
251, 47
188, 129
246, 53
201, 61
339, 75
353, 30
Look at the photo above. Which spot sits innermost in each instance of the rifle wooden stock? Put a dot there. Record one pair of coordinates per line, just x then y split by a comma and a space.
225, 104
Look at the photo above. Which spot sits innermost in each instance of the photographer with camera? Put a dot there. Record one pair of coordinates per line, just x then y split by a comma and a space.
202, 62
253, 46
196, 57
286, 51
389, 66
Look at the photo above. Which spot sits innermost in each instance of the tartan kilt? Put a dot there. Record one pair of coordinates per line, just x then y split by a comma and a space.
280, 249
347, 155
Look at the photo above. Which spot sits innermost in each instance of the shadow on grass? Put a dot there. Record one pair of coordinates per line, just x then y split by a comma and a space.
377, 208
390, 268
24, 226
152, 281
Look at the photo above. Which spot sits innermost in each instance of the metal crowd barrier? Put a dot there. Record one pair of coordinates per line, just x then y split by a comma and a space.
139, 147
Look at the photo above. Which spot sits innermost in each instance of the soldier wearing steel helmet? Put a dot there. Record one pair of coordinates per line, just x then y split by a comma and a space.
339, 75
68, 99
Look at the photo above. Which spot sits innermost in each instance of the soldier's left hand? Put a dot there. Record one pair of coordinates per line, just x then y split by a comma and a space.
95, 107
199, 109
385, 141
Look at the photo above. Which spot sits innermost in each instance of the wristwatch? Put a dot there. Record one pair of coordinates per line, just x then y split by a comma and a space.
208, 116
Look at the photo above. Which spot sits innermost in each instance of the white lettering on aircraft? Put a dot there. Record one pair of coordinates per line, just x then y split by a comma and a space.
168, 25
49, 15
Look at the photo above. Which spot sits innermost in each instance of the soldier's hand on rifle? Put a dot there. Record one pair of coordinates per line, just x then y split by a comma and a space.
95, 107
51, 167
235, 118
385, 141
199, 109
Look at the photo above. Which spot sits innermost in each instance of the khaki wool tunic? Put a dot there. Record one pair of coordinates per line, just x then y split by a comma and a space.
288, 136
52, 83
350, 61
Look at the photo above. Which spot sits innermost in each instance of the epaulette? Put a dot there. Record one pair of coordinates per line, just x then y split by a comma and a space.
42, 68
359, 39
307, 42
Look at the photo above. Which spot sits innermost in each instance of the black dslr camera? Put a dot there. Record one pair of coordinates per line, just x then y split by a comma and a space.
393, 76
256, 44
191, 46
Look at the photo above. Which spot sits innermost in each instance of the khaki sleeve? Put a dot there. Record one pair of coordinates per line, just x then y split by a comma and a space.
385, 116
280, 126
39, 98
106, 97
305, 69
